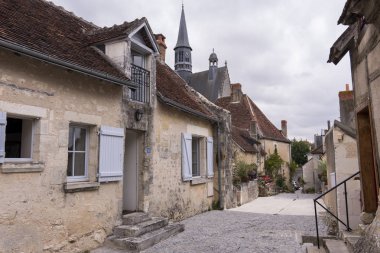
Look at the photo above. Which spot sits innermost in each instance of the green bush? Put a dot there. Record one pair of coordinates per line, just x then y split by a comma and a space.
243, 172
310, 190
280, 182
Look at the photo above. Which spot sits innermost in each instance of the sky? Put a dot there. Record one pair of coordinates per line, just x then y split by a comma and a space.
277, 49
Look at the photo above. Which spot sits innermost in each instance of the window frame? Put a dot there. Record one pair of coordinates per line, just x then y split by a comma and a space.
85, 177
31, 139
197, 140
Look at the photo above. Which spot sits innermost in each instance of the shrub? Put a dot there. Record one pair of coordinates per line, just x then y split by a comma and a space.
310, 190
244, 172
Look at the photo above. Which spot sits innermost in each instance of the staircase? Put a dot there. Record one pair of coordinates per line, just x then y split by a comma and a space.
345, 244
140, 231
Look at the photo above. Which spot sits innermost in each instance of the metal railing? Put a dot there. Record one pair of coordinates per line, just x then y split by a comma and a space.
141, 77
347, 225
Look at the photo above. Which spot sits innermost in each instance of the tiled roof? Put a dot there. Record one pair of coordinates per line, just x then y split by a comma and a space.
243, 112
173, 87
244, 140
50, 30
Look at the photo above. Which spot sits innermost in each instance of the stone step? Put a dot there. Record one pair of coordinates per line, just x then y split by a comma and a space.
147, 240
140, 228
351, 238
335, 246
314, 249
134, 218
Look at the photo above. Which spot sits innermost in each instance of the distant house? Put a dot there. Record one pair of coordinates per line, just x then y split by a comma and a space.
312, 168
361, 40
247, 117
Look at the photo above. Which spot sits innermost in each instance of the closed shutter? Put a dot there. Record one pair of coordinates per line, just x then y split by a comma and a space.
3, 124
186, 157
210, 157
111, 154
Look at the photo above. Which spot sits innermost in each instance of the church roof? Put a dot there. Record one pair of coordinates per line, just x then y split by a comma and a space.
243, 112
209, 88
183, 39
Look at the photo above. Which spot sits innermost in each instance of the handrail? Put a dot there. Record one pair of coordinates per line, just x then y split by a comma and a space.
345, 196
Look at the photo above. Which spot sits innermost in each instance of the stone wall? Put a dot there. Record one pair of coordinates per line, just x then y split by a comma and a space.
247, 192
36, 215
170, 196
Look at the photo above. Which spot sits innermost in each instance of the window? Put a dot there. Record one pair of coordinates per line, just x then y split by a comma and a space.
77, 153
141, 77
138, 59
197, 157
16, 138
181, 56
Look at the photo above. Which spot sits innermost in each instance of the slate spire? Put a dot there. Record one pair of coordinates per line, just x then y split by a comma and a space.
182, 61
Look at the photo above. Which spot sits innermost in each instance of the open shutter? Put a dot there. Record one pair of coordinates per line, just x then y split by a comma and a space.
3, 124
111, 154
210, 157
186, 157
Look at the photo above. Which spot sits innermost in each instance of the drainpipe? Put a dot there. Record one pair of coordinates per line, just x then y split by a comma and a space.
221, 201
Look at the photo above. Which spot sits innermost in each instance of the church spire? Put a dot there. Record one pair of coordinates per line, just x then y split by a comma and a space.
182, 62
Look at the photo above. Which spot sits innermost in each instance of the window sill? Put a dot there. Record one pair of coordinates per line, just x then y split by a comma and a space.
197, 181
21, 167
80, 186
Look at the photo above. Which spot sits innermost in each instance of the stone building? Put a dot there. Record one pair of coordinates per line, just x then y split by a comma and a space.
265, 137
361, 40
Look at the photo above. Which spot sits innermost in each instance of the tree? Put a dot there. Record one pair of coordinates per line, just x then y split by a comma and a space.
300, 149
273, 164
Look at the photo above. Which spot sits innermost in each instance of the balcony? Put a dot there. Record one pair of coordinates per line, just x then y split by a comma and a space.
141, 77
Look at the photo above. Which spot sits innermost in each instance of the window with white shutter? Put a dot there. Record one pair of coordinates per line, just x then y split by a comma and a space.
210, 157
186, 157
111, 154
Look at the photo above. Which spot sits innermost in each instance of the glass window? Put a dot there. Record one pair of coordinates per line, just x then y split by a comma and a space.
195, 157
138, 59
77, 152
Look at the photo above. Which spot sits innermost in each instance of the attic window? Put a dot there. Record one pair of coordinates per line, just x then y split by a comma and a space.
102, 48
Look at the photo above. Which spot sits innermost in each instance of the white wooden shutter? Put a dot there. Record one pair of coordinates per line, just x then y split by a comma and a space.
210, 157
111, 154
3, 124
186, 157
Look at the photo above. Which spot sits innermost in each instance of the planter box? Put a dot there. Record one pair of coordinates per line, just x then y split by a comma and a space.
247, 192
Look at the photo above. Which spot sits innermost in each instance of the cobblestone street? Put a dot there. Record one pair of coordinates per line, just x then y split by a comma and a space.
270, 224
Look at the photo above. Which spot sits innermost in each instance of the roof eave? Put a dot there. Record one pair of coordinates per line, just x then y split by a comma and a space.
184, 108
61, 63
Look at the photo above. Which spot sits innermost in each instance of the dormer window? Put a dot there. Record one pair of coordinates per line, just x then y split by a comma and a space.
140, 76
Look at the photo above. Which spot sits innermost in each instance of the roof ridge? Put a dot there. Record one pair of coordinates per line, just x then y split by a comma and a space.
61, 8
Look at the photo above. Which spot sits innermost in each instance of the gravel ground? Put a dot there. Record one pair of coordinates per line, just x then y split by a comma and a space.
243, 230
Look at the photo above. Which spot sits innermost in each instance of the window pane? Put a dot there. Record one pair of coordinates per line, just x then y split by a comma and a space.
195, 156
71, 139
70, 165
138, 60
13, 133
79, 164
80, 139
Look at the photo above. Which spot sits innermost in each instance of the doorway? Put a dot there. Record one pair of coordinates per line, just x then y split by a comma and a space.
132, 161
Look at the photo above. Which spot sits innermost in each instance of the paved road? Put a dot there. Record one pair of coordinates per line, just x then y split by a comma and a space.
265, 225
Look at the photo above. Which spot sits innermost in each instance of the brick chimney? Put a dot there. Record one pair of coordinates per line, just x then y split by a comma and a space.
160, 39
236, 92
253, 128
284, 128
346, 104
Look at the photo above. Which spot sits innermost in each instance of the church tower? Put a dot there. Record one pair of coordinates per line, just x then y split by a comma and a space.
182, 62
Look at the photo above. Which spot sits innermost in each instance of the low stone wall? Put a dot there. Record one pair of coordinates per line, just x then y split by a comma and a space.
248, 192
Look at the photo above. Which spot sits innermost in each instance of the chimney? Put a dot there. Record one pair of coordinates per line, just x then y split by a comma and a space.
284, 128
160, 39
236, 92
328, 125
253, 128
346, 105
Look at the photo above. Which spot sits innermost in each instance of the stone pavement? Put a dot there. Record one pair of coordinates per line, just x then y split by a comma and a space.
265, 225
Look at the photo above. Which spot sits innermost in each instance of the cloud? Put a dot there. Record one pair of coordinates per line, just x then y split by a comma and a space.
276, 49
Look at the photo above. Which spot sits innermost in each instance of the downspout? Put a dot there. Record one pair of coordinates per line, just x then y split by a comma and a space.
221, 200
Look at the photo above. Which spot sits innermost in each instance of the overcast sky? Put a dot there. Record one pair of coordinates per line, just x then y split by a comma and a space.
277, 49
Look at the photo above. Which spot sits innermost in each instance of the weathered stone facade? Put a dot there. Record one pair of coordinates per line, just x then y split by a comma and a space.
36, 213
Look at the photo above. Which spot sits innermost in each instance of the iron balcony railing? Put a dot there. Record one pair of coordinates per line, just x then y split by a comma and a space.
347, 224
141, 77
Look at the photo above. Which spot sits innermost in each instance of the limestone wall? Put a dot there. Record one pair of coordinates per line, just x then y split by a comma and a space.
169, 195
283, 150
36, 215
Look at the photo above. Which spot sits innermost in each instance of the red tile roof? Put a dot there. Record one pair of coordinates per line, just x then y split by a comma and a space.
243, 112
50, 30
244, 140
171, 86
